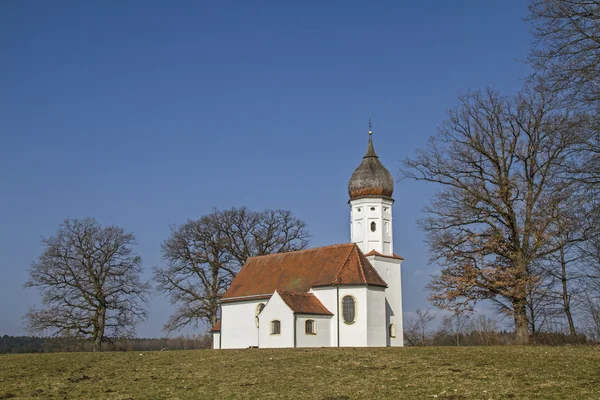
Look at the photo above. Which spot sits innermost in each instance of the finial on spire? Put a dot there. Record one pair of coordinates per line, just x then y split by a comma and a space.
370, 130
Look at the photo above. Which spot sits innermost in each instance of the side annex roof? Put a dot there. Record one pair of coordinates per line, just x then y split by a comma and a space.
303, 303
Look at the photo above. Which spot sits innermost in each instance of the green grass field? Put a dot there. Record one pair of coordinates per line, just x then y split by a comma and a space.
380, 373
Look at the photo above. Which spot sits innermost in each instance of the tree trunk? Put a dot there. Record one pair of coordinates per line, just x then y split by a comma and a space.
565, 294
99, 329
521, 323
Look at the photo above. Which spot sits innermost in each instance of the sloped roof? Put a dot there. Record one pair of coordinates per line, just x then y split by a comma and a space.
376, 253
304, 303
217, 327
298, 271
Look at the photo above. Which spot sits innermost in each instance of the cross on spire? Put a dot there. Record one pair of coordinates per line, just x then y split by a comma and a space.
370, 130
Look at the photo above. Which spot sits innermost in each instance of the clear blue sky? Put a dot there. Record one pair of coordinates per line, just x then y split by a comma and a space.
146, 113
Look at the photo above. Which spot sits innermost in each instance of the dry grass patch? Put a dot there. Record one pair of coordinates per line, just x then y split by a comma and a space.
334, 374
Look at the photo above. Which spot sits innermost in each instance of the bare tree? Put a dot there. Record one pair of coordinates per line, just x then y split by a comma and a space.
499, 164
589, 299
203, 256
89, 278
486, 330
416, 328
252, 233
591, 313
566, 57
541, 308
567, 48
456, 325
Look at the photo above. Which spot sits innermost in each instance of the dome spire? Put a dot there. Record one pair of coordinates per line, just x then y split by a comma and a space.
371, 178
370, 150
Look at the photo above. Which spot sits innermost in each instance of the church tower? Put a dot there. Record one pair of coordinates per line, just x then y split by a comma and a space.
370, 188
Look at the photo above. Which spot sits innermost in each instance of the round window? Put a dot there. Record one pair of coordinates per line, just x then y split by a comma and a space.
373, 226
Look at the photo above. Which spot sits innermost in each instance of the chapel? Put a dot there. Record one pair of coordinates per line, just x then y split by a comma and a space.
344, 295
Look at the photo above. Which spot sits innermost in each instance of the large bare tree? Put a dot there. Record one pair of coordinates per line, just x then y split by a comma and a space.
203, 256
89, 278
566, 55
499, 165
567, 48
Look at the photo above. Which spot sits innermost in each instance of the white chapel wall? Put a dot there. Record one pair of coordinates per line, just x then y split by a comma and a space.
276, 309
322, 337
376, 317
390, 270
216, 337
355, 334
238, 326
328, 296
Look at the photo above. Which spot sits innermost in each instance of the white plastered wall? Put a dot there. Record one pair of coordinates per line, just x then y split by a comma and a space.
354, 334
328, 296
276, 309
322, 338
376, 317
216, 337
364, 212
390, 270
238, 326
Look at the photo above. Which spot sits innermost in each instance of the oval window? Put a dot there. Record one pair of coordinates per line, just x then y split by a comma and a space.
373, 226
348, 309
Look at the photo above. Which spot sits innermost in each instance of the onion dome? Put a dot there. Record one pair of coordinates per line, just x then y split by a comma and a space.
371, 178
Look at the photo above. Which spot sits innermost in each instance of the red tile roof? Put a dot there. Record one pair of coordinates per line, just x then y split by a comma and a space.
376, 253
217, 327
304, 303
298, 271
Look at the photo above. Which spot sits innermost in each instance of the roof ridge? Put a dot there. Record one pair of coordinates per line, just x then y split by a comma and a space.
304, 250
344, 264
376, 253
374, 269
294, 292
361, 267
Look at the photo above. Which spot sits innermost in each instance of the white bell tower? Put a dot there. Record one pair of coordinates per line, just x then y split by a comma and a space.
371, 224
370, 188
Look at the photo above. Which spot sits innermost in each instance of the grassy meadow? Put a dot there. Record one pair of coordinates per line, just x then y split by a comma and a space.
379, 373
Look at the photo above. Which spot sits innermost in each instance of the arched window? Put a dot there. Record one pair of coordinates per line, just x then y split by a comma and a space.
275, 327
373, 226
310, 327
259, 309
392, 330
348, 309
